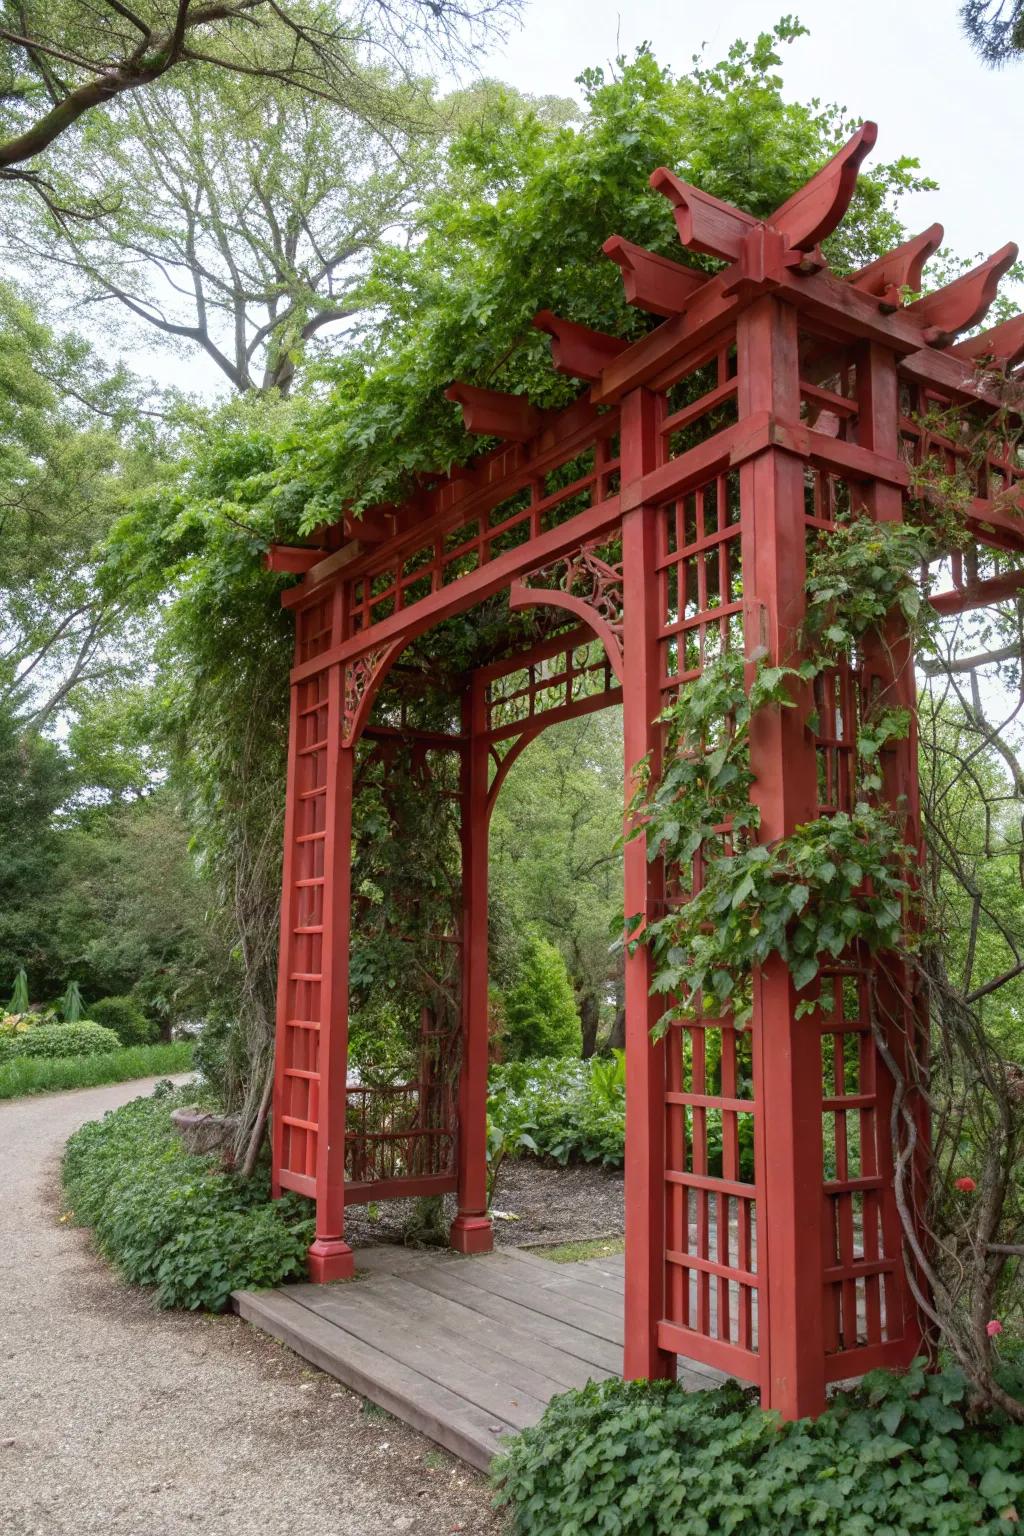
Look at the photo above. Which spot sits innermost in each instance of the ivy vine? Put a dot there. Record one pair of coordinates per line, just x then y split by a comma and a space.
842, 881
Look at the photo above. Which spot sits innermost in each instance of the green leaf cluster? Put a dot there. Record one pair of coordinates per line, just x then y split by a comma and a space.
836, 883
896, 1456
174, 1221
858, 573
568, 1110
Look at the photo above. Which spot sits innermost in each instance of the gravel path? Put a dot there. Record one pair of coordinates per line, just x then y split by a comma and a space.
119, 1419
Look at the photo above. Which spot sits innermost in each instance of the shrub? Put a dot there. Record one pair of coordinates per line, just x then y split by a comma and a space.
568, 1110
82, 1039
894, 1457
70, 1006
218, 1051
540, 1010
14, 1024
173, 1220
124, 1016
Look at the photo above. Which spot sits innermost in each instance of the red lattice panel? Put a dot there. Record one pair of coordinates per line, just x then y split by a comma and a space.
298, 1103
700, 587
548, 687
864, 1308
712, 1284
523, 506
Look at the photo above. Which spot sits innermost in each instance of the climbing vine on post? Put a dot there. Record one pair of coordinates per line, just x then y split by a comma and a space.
841, 881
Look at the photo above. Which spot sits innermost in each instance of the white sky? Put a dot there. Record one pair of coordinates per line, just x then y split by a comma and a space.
904, 63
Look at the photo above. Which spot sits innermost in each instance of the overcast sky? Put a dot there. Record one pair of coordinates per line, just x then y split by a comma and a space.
904, 63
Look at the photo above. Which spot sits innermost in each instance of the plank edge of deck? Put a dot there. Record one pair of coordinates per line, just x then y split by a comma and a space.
271, 1311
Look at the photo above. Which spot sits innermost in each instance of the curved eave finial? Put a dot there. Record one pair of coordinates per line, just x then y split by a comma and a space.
1002, 345
963, 302
900, 268
816, 209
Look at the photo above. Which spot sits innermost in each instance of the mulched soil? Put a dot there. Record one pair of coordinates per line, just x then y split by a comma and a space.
534, 1203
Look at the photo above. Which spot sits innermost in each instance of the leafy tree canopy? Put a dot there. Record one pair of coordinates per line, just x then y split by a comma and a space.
995, 27
62, 60
518, 227
74, 449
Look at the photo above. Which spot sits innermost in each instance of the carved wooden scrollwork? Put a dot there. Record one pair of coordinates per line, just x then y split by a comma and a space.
583, 584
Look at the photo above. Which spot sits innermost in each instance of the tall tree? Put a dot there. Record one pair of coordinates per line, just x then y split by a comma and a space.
61, 60
34, 780
73, 445
235, 222
995, 27
555, 860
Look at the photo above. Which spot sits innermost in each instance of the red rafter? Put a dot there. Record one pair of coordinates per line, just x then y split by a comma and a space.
495, 414
575, 350
1002, 345
296, 559
704, 223
654, 283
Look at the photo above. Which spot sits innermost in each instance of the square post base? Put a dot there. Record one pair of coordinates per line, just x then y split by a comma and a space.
472, 1234
330, 1258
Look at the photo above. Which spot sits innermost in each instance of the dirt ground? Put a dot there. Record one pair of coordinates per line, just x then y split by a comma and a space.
121, 1420
534, 1203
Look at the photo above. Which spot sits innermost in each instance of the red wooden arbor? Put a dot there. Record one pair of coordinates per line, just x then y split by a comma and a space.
665, 514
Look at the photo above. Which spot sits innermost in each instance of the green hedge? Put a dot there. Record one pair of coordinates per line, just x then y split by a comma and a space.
54, 1040
172, 1220
895, 1457
43, 1074
124, 1016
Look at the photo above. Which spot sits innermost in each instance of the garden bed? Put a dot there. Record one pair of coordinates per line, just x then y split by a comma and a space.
551, 1205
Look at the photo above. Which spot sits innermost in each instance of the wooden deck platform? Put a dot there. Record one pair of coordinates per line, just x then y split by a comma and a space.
464, 1349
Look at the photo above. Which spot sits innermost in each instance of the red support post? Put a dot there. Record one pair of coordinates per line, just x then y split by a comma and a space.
330, 1257
472, 1231
644, 895
787, 1050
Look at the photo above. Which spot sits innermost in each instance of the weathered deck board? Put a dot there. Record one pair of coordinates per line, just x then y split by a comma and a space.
464, 1349
441, 1415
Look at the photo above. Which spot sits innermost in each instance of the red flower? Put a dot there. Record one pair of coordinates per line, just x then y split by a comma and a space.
993, 1328
967, 1185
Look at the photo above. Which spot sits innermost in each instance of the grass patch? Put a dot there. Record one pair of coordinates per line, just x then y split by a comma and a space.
46, 1074
575, 1253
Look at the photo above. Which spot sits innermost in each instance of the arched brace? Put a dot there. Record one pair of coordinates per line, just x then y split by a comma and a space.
601, 611
362, 678
503, 764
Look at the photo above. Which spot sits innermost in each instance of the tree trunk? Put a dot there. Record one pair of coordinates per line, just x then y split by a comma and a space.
589, 1019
